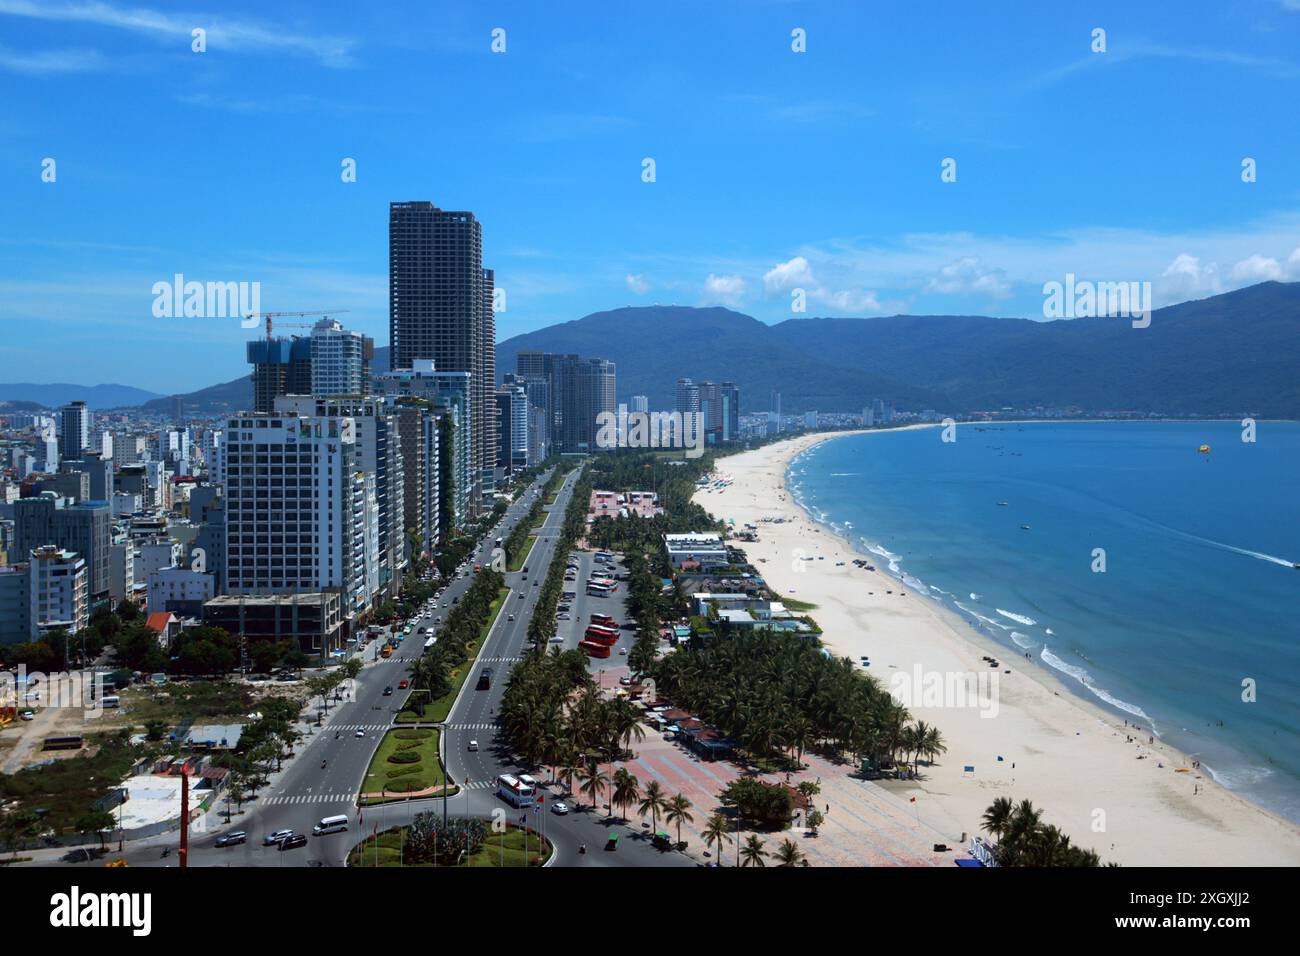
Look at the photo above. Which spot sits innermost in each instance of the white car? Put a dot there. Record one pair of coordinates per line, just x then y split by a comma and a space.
559, 809
473, 746
359, 733
563, 617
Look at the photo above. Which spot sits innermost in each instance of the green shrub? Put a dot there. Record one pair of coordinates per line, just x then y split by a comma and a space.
404, 756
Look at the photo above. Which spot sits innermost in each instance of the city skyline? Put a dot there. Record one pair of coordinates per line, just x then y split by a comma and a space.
781, 166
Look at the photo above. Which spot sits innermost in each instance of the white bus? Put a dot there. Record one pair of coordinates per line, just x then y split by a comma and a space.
597, 590
514, 791
330, 825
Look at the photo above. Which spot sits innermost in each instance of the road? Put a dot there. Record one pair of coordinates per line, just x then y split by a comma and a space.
304, 792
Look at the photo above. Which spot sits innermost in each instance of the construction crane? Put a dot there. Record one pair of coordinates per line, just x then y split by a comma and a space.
301, 325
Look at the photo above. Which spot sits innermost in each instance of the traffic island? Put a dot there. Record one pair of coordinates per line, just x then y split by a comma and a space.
427, 844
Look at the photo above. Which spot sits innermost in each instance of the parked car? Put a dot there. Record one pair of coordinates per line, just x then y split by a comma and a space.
230, 839
273, 838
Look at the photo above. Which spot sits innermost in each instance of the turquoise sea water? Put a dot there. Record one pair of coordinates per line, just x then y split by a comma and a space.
1198, 593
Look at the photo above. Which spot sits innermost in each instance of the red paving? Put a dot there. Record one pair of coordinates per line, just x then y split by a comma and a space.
865, 826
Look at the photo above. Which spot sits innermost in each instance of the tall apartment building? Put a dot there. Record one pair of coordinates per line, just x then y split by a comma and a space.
58, 590
418, 428
719, 408
280, 367
340, 360
74, 435
379, 453
449, 393
577, 390
440, 308
512, 428
84, 528
301, 514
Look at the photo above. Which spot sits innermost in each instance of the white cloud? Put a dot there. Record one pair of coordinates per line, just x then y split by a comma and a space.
1293, 261
222, 32
49, 62
724, 290
968, 275
637, 284
1185, 278
797, 273
1257, 268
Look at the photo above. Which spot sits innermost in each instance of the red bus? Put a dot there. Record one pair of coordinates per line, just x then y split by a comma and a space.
604, 620
594, 649
603, 639
602, 630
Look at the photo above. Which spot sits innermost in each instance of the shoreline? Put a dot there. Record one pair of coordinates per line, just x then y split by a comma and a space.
1077, 761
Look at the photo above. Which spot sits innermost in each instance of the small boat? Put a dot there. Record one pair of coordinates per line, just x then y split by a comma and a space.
1296, 566
1002, 504
1024, 527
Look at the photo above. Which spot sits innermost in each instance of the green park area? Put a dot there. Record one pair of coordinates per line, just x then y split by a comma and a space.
398, 847
406, 762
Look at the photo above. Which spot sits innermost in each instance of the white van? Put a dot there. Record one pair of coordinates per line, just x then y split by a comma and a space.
111, 701
330, 825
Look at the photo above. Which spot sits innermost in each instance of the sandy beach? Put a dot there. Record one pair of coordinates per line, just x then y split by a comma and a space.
1134, 802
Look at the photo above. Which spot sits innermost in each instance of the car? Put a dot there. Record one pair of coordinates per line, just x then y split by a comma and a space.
293, 841
623, 651
473, 746
563, 617
273, 838
557, 639
231, 838
510, 617
27, 715
521, 595
359, 733
403, 684
560, 808
625, 681
536, 583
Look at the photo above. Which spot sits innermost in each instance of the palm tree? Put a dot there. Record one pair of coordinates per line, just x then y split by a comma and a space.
997, 818
594, 781
653, 804
753, 851
717, 830
626, 791
789, 854
678, 812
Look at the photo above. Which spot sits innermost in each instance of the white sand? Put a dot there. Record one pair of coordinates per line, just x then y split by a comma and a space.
1070, 757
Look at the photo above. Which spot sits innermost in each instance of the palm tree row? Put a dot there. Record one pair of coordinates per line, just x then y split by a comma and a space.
776, 694
1024, 840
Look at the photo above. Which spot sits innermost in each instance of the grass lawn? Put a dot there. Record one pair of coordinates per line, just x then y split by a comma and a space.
398, 777
500, 849
794, 605
67, 789
521, 558
437, 710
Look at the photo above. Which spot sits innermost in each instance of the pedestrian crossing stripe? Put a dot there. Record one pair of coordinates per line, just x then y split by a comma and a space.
471, 726
301, 798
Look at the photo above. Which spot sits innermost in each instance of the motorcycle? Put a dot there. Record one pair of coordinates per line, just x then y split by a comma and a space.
322, 764
583, 848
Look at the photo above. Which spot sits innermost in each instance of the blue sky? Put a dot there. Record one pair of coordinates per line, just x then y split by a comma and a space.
775, 169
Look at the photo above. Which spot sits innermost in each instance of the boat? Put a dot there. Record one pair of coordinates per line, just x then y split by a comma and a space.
1002, 504
1024, 527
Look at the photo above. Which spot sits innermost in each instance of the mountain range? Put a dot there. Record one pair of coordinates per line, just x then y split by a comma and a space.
1229, 354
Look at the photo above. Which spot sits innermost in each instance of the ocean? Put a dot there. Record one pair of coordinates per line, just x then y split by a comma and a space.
1193, 627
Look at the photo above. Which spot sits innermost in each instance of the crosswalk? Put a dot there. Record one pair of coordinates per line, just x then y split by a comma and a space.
356, 727
301, 798
471, 726
477, 785
500, 660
